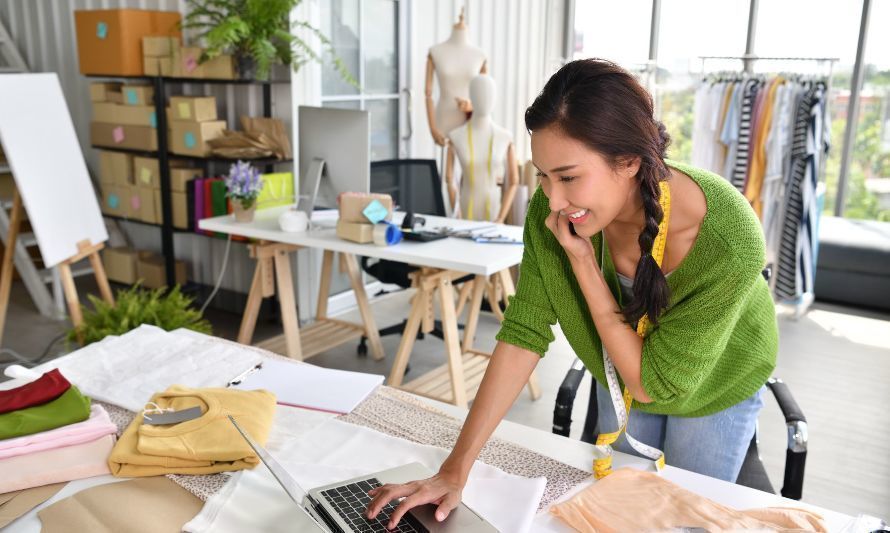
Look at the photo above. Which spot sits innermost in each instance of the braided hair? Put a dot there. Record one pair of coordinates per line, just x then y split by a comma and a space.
602, 105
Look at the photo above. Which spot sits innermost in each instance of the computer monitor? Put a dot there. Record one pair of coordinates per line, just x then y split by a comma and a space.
342, 139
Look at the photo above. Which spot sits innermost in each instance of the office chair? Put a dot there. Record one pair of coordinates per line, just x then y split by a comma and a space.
415, 186
753, 474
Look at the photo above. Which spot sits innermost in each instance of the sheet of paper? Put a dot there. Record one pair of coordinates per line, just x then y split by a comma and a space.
313, 387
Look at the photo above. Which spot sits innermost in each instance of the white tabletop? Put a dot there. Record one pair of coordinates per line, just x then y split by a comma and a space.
462, 255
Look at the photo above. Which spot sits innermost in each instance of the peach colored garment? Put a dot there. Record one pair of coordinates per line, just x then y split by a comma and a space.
54, 466
632, 500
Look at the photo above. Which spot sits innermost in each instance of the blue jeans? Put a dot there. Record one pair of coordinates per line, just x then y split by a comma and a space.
713, 445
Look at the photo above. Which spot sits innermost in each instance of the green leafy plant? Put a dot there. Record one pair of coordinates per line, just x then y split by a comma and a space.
258, 29
135, 306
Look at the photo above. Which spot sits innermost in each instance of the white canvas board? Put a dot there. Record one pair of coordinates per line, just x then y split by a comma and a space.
44, 155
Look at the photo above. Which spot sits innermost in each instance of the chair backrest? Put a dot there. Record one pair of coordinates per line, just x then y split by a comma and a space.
414, 184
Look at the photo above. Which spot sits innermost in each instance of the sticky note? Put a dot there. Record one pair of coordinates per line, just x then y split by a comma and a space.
190, 141
375, 211
132, 97
113, 201
145, 175
184, 110
153, 120
190, 64
118, 134
134, 202
101, 30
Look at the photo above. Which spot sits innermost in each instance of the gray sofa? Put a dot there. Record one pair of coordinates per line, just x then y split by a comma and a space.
853, 266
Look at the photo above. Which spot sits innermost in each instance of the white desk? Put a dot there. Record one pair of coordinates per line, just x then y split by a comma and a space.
566, 450
441, 262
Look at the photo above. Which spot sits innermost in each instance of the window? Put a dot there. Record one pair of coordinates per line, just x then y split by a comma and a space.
617, 31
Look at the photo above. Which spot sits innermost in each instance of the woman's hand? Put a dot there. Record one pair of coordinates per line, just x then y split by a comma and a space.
577, 248
442, 489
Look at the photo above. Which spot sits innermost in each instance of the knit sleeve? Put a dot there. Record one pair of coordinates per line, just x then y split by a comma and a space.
692, 335
529, 317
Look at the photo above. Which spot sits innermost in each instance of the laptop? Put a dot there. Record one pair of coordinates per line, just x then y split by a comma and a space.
340, 507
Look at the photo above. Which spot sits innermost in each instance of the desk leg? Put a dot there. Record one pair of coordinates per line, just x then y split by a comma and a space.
452, 342
493, 300
463, 296
288, 304
324, 287
409, 336
252, 308
473, 316
534, 388
364, 307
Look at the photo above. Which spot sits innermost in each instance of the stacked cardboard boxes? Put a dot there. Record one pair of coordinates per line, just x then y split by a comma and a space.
187, 64
157, 55
123, 116
352, 224
109, 41
126, 265
193, 123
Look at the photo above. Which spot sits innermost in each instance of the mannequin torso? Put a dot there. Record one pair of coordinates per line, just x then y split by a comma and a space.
455, 62
480, 195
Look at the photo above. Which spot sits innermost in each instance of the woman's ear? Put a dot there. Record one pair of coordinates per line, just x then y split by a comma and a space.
629, 166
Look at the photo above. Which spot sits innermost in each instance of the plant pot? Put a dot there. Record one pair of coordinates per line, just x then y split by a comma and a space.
243, 214
246, 66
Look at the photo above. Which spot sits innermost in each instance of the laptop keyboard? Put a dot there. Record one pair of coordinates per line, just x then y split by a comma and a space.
351, 501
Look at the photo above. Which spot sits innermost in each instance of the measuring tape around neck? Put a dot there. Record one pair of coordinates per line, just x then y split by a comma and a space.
621, 403
472, 165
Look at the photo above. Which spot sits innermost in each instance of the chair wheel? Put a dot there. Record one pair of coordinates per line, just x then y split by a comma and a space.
362, 348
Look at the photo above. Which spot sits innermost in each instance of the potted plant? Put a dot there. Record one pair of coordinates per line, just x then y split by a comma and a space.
244, 185
136, 306
258, 33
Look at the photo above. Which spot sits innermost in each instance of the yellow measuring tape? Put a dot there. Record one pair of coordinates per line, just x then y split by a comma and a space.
472, 176
602, 466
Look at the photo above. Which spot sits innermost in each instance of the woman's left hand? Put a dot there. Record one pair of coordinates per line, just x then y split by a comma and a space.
577, 248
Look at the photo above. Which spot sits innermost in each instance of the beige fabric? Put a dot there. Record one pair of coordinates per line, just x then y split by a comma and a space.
631, 500
144, 505
16, 504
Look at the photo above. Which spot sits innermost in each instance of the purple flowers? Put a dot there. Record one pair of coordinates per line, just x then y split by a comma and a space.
244, 183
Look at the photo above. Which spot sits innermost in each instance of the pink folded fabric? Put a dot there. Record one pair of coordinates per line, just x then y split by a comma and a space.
97, 425
55, 466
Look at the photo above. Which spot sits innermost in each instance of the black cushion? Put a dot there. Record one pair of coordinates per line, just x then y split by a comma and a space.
753, 474
854, 245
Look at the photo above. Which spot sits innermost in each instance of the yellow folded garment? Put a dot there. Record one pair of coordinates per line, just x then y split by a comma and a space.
204, 445
631, 500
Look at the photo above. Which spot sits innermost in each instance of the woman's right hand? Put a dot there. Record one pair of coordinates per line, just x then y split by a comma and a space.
443, 489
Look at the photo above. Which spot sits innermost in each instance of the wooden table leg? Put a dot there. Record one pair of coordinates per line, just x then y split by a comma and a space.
324, 287
452, 342
473, 316
463, 296
252, 308
409, 336
493, 301
506, 279
364, 307
288, 304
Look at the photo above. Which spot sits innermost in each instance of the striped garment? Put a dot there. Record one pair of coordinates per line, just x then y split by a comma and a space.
740, 172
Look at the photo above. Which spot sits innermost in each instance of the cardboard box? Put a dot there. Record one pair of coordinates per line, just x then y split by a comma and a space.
221, 67
180, 176
120, 264
7, 186
193, 108
112, 200
165, 65
159, 46
109, 41
124, 136
147, 210
180, 210
141, 95
115, 168
132, 115
99, 92
132, 203
150, 269
186, 62
151, 66
146, 172
359, 232
190, 138
352, 205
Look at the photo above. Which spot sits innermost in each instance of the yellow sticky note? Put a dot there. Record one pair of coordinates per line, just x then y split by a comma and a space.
184, 110
145, 175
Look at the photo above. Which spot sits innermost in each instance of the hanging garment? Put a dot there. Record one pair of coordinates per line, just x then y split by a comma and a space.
729, 136
69, 408
740, 169
757, 168
44, 389
777, 158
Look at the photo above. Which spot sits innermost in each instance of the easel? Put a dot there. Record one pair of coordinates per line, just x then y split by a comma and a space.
84, 249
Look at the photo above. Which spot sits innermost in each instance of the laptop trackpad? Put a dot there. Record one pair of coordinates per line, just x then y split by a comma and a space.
459, 519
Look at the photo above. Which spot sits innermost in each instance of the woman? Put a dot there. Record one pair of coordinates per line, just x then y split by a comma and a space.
593, 243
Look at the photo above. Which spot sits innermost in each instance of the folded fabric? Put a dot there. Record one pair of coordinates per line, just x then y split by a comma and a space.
55, 466
97, 425
205, 445
44, 389
633, 500
147, 505
69, 408
14, 505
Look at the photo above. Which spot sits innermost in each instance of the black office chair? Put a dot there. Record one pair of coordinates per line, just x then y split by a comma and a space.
752, 474
415, 187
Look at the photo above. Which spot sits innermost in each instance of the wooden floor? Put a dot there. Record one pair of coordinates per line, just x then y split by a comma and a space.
837, 364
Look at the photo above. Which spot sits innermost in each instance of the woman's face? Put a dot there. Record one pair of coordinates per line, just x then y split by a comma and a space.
580, 183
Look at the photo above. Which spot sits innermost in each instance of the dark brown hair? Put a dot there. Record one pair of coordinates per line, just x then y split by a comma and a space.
602, 105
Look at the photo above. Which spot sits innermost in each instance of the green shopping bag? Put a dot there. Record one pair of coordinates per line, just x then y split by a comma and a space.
278, 189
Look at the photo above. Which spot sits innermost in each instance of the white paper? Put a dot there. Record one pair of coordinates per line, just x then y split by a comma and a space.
312, 387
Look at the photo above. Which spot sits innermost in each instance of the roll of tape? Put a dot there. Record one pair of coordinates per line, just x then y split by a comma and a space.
387, 234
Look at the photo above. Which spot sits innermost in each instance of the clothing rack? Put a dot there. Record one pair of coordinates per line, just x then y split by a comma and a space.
801, 306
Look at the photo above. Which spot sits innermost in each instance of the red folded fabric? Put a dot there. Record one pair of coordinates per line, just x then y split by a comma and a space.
44, 389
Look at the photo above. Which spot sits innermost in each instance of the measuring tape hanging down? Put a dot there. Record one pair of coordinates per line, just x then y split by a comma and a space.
602, 466
472, 165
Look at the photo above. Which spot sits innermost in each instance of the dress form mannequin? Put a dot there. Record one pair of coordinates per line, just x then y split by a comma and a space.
454, 63
485, 152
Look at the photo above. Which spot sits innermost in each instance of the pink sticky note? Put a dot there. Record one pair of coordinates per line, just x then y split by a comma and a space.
135, 202
118, 134
190, 64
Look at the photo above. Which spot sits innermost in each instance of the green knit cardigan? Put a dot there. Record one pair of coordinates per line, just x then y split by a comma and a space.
715, 344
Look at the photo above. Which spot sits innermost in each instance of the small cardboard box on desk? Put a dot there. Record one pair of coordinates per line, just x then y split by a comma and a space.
151, 270
353, 224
